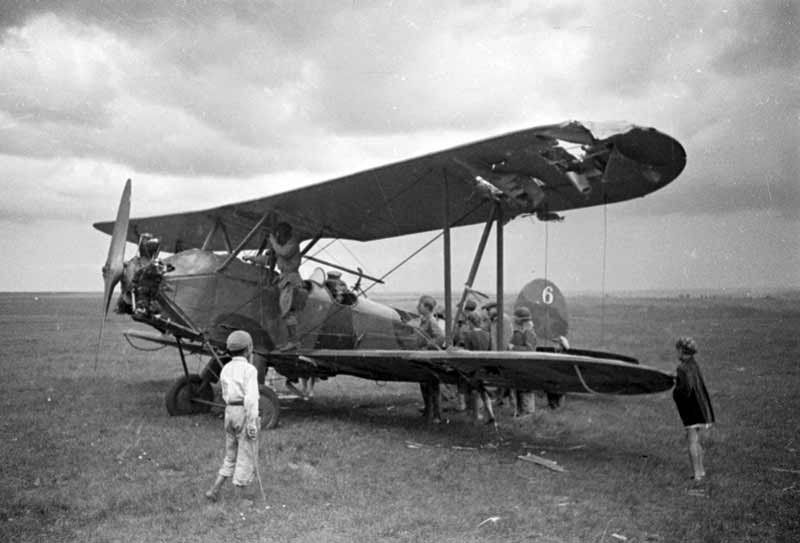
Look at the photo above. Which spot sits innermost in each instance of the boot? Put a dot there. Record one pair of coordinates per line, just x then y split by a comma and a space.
212, 493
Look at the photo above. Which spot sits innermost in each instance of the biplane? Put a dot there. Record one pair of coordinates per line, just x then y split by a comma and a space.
203, 288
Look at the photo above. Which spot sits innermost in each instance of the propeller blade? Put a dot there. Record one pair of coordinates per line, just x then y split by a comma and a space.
112, 270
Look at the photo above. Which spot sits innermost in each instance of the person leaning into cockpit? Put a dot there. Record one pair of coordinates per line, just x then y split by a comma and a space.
287, 253
336, 286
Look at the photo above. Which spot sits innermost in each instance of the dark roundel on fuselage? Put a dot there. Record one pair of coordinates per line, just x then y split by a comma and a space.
548, 308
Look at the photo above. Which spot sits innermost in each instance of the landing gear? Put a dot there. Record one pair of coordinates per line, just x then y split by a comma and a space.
193, 393
189, 395
269, 407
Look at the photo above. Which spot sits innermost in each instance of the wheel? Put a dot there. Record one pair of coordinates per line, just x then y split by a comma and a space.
183, 391
269, 407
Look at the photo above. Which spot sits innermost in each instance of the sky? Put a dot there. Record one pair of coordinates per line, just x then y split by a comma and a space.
210, 102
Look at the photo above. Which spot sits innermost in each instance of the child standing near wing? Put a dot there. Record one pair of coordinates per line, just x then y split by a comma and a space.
523, 338
430, 337
693, 402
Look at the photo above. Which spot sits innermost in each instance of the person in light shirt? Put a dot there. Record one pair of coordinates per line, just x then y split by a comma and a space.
239, 382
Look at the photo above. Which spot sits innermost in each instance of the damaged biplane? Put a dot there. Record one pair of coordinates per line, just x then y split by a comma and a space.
204, 289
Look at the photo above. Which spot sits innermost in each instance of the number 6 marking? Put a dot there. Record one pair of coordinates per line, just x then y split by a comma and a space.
547, 295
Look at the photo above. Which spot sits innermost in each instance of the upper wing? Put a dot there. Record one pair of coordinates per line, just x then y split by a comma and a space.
526, 370
538, 170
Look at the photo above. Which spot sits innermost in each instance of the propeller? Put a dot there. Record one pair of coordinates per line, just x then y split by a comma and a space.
112, 270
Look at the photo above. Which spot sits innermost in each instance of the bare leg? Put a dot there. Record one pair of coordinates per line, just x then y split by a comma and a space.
475, 404
308, 386
293, 389
487, 403
435, 399
213, 492
526, 402
311, 382
695, 453
424, 389
463, 393
430, 397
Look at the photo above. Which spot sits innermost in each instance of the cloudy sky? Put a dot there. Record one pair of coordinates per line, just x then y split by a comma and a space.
209, 102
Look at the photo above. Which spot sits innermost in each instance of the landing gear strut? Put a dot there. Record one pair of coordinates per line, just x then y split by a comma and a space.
269, 407
193, 393
189, 395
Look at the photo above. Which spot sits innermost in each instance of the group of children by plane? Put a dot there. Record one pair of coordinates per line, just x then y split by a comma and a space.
475, 331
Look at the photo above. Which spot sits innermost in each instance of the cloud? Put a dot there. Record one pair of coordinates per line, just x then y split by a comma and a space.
249, 91
56, 73
206, 103
759, 36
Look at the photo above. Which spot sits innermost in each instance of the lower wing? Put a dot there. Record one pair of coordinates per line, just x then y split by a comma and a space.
578, 371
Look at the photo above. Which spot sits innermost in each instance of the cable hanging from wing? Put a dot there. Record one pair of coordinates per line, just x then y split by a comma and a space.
603, 276
546, 247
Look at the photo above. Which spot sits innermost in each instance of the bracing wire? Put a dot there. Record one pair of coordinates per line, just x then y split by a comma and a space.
331, 242
396, 267
351, 253
546, 247
423, 247
603, 276
409, 257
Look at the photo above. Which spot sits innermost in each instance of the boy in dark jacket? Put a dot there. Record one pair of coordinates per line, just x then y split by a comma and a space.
693, 402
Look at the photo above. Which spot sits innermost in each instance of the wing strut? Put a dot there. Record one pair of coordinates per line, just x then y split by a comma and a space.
242, 243
210, 236
476, 262
225, 237
448, 287
500, 333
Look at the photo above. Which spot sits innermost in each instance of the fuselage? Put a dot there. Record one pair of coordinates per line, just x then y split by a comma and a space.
197, 298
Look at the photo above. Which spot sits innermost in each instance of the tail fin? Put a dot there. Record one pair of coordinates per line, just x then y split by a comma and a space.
548, 308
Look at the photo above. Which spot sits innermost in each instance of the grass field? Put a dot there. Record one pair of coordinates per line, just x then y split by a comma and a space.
91, 455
